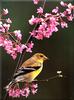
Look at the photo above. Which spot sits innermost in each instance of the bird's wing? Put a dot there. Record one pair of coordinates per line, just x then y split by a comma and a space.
23, 71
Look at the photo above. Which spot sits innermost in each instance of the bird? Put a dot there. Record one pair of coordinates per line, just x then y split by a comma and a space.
29, 70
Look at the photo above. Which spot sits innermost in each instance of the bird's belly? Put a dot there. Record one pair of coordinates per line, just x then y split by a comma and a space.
31, 76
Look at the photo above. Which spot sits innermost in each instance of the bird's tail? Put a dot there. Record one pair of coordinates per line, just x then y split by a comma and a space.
7, 87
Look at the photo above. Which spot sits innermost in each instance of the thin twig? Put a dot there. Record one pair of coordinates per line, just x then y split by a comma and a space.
44, 4
13, 38
46, 80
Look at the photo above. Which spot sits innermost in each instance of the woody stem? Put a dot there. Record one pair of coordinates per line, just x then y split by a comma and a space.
29, 39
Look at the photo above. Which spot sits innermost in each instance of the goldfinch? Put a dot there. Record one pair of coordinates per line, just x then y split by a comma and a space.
29, 70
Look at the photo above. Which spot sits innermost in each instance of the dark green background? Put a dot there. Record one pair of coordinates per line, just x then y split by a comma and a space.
59, 48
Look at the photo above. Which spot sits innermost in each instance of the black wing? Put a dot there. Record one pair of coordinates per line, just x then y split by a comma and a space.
26, 70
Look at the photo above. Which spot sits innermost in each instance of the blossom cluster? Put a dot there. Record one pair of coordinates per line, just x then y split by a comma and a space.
50, 22
46, 24
25, 91
11, 41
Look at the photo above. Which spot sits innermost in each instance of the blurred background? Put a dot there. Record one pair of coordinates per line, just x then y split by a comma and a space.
59, 48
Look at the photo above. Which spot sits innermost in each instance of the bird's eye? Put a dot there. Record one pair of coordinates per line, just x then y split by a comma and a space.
41, 55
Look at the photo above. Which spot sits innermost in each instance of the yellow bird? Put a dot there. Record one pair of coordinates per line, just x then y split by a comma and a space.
29, 70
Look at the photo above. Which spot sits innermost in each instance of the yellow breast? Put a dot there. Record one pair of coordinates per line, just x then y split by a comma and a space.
31, 76
37, 72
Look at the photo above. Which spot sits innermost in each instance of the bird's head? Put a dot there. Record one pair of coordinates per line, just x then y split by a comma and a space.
40, 57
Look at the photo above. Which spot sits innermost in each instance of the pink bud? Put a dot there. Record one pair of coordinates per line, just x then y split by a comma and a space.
8, 20
5, 11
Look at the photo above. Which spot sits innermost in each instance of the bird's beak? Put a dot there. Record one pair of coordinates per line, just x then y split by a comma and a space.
45, 58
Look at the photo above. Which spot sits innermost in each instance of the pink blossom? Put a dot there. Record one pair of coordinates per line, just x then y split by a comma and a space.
36, 1
6, 26
0, 23
14, 55
29, 47
34, 91
34, 88
14, 92
20, 47
34, 85
10, 49
62, 14
17, 93
2, 29
34, 20
70, 18
55, 10
18, 34
5, 11
33, 33
47, 15
8, 46
40, 10
42, 27
8, 42
63, 4
68, 11
11, 92
8, 20
64, 24
25, 92
31, 20
48, 33
39, 36
70, 6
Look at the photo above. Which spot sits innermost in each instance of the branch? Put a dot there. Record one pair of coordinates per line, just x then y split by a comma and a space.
51, 78
23, 53
13, 38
